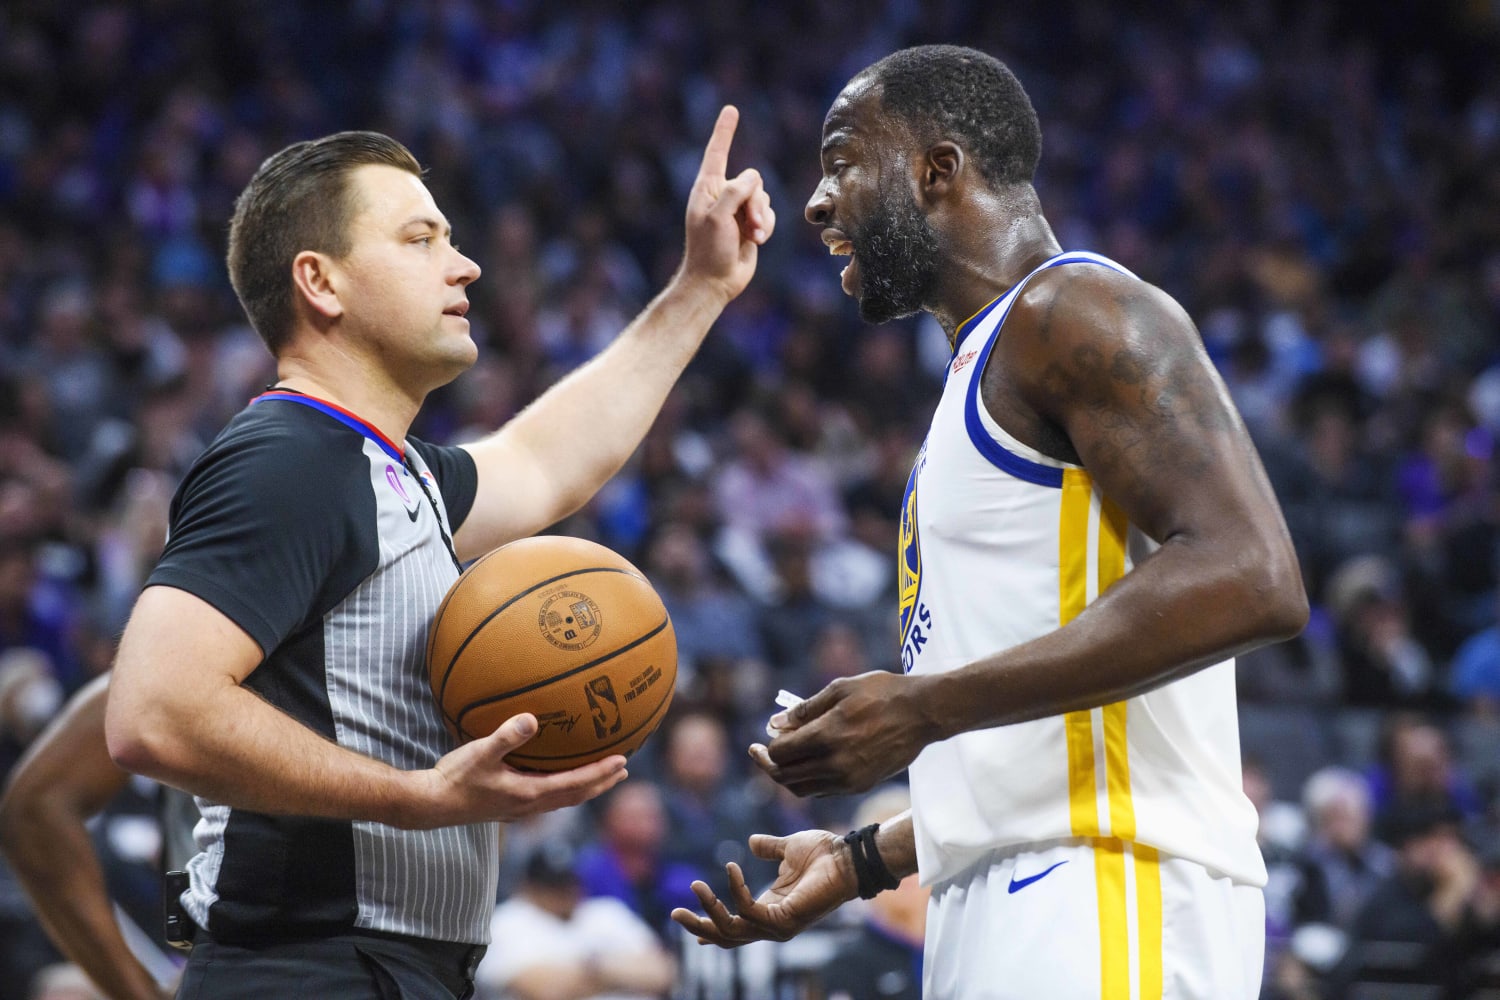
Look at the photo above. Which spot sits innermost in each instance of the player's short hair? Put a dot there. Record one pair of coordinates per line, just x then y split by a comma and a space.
299, 199
951, 92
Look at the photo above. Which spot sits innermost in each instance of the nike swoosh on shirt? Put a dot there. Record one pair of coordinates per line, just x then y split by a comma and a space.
412, 514
1016, 885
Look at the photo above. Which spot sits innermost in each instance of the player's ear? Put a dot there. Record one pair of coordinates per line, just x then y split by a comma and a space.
314, 281
941, 166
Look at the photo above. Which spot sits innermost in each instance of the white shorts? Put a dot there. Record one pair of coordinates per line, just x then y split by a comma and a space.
1093, 919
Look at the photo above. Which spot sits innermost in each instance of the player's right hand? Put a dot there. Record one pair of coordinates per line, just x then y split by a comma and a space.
474, 784
815, 878
855, 733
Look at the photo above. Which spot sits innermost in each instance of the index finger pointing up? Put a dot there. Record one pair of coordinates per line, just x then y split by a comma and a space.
716, 155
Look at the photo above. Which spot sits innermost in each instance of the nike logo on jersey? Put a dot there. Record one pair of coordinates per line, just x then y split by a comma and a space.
411, 506
1017, 885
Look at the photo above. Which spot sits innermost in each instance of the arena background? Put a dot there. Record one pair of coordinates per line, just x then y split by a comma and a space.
1318, 183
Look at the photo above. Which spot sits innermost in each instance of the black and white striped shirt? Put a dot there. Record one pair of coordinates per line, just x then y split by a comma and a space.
310, 530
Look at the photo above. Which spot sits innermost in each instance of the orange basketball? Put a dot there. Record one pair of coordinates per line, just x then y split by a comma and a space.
565, 629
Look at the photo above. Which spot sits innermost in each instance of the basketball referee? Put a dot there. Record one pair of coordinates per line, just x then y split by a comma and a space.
273, 666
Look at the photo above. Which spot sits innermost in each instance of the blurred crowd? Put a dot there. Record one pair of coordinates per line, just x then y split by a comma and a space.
1317, 183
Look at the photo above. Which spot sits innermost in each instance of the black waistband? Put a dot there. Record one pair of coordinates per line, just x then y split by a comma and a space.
452, 962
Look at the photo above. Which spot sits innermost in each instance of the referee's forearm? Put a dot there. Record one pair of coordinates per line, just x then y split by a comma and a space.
234, 748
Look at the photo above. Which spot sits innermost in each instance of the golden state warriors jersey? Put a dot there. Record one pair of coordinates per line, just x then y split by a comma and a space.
999, 545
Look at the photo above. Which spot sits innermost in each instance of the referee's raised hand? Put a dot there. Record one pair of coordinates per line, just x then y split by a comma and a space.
727, 220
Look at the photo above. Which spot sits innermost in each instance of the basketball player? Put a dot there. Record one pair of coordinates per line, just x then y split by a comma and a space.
273, 665
1087, 540
65, 779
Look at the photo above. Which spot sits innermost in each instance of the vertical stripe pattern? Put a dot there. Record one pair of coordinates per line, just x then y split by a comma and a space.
1083, 795
427, 883
1091, 557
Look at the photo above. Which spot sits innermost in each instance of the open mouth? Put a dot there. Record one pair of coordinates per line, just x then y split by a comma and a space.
840, 245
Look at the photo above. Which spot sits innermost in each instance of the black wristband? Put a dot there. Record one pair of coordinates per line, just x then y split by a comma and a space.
869, 867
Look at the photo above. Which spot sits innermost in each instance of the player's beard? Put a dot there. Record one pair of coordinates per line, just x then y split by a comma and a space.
897, 252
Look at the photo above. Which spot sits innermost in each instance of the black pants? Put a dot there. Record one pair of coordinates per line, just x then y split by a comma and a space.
355, 966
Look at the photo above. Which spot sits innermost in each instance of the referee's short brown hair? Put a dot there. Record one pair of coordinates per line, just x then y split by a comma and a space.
300, 199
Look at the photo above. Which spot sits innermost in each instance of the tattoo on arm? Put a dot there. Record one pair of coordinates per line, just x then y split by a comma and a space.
1139, 397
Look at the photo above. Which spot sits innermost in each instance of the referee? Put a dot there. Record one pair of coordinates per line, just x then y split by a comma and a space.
273, 666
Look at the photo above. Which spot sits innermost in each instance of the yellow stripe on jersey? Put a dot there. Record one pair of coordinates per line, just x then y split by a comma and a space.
1073, 570
1115, 933
1117, 773
1111, 567
1073, 543
1083, 792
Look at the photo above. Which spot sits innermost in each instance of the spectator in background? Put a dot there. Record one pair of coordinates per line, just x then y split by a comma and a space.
884, 960
838, 651
790, 620
1384, 664
520, 838
709, 617
73, 368
707, 810
554, 944
1429, 903
1337, 494
628, 859
1416, 769
1452, 531
1343, 862
1279, 834
764, 489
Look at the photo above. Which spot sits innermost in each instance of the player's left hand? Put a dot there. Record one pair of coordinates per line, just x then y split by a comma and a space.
849, 737
815, 877
727, 220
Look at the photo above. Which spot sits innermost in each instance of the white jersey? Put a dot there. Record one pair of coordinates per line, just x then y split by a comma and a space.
999, 545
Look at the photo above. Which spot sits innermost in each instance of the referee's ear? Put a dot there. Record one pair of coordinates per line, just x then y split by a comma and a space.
316, 283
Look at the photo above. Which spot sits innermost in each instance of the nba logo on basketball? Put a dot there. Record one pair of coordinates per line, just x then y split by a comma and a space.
603, 706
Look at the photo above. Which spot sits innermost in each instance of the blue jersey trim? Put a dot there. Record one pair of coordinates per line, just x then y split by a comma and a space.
993, 451
342, 416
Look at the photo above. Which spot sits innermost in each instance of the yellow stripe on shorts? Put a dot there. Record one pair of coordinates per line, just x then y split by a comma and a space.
1114, 931
1148, 920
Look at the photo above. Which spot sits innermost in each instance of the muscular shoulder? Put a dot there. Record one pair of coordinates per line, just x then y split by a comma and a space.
1085, 337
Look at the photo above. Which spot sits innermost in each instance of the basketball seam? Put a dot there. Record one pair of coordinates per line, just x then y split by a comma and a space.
562, 676
432, 634
448, 671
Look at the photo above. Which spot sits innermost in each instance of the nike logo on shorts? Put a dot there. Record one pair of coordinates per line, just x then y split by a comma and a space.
1016, 885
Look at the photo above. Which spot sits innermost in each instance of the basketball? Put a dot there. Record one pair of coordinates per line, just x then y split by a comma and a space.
561, 627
